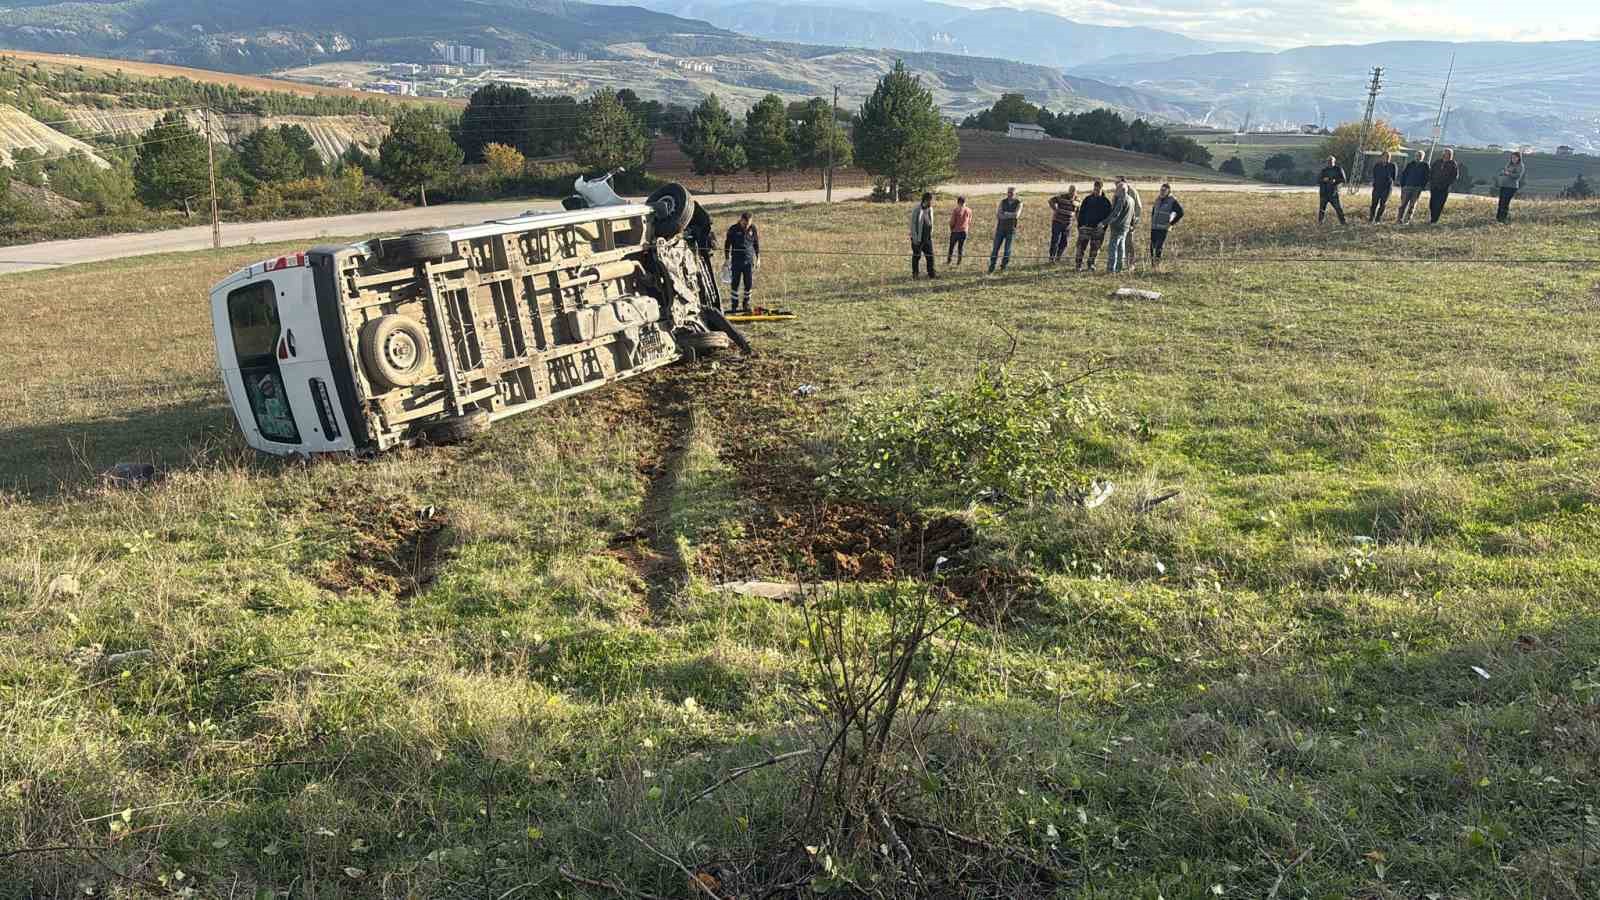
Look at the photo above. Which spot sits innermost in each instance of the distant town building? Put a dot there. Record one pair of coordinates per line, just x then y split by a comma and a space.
1310, 129
1563, 150
1025, 131
694, 65
397, 88
404, 70
462, 54
442, 69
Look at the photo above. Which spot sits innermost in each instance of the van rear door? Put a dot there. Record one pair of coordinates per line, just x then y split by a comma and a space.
274, 364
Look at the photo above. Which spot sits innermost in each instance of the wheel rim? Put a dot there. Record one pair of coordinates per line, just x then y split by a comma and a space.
400, 351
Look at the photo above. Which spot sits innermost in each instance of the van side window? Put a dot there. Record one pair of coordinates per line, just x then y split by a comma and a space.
253, 319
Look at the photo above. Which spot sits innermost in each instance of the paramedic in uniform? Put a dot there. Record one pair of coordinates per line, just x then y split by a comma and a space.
741, 248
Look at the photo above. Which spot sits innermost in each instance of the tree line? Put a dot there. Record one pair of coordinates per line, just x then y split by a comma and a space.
1096, 126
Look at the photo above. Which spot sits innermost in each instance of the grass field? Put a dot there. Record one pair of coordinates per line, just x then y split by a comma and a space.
1356, 655
1548, 175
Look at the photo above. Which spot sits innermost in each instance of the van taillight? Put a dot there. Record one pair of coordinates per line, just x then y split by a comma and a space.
330, 422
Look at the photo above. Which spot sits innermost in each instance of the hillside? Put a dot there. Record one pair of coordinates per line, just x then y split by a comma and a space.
1030, 36
1541, 94
245, 36
18, 130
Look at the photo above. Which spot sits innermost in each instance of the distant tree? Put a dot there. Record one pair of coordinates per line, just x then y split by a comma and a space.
609, 137
268, 158
900, 138
356, 156
5, 183
1145, 137
815, 129
1009, 108
1278, 162
553, 125
1233, 165
768, 145
172, 168
504, 162
710, 143
1578, 190
1344, 143
1179, 148
416, 152
105, 189
298, 138
1098, 126
495, 114
27, 165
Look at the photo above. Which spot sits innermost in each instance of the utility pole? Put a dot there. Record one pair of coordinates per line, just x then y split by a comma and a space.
1438, 120
833, 137
211, 166
1359, 164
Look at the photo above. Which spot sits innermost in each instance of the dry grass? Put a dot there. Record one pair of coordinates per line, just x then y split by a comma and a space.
1272, 679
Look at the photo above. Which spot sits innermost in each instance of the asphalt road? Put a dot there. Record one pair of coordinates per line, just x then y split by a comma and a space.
55, 254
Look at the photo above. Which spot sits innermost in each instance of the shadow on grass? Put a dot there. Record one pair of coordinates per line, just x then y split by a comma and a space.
46, 460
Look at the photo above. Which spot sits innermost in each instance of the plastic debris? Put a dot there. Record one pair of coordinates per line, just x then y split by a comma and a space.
1136, 293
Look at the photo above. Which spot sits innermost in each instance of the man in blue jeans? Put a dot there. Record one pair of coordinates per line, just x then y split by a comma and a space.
1005, 228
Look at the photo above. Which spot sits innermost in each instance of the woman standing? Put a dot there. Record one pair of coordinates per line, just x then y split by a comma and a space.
1509, 182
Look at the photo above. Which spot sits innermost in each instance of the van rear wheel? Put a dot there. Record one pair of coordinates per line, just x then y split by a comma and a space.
394, 351
458, 429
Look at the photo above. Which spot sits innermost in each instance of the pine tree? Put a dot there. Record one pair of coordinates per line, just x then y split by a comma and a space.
171, 169
268, 159
297, 137
416, 151
768, 143
900, 138
610, 137
709, 141
816, 128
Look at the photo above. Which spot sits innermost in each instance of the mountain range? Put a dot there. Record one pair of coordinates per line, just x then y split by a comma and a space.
1024, 35
251, 36
1543, 94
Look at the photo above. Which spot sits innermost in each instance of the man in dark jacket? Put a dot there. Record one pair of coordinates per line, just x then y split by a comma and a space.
1412, 181
1329, 180
741, 248
1441, 178
1383, 177
1092, 215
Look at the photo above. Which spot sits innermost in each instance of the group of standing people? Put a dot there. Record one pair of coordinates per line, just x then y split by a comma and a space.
1103, 220
1438, 179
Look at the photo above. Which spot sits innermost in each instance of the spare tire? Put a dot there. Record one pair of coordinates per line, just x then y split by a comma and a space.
674, 209
395, 351
411, 249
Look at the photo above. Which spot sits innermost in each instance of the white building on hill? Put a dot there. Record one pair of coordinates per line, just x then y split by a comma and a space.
1024, 130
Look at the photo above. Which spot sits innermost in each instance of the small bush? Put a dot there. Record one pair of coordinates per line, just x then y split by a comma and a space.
1014, 437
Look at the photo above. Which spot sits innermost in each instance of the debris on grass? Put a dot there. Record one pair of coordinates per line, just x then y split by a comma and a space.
63, 585
1136, 294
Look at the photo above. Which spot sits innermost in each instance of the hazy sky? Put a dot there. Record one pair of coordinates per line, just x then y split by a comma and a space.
1286, 23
